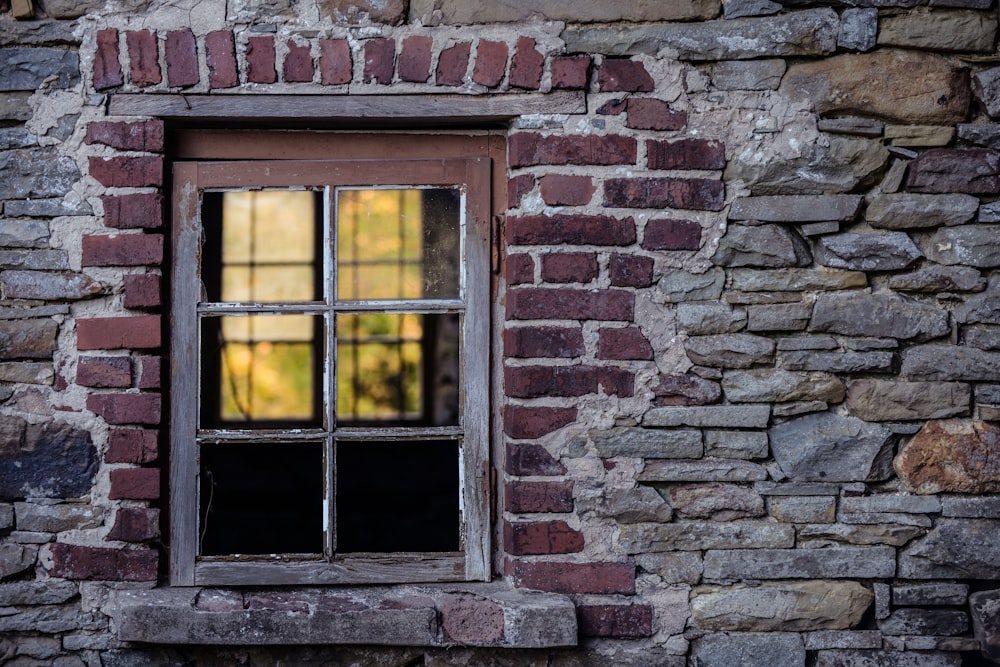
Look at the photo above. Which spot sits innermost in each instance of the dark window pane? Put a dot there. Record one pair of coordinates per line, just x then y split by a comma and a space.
397, 496
261, 498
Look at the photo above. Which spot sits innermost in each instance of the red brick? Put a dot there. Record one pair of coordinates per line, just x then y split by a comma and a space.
530, 148
182, 59
220, 54
136, 524
517, 187
542, 537
571, 229
335, 64
135, 484
104, 372
651, 114
620, 75
142, 291
520, 269
574, 578
133, 211
70, 561
298, 66
627, 343
570, 267
132, 445
143, 136
669, 234
531, 459
700, 194
144, 57
470, 619
614, 107
261, 60
526, 423
113, 333
570, 72
686, 389
524, 497
149, 372
543, 342
118, 409
107, 69
630, 270
452, 65
526, 65
123, 250
686, 154
127, 172
491, 63
539, 303
380, 55
619, 621
415, 59
565, 190
541, 381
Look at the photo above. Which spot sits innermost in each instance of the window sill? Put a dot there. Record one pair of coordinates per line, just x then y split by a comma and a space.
469, 614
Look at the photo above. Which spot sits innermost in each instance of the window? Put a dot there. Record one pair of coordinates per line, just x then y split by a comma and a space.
330, 358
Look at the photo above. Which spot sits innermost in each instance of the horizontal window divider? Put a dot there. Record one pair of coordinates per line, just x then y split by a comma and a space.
385, 568
399, 433
277, 436
416, 306
303, 308
395, 433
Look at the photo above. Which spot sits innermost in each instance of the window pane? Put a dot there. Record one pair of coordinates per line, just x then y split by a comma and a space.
397, 496
261, 498
261, 369
260, 246
398, 243
398, 369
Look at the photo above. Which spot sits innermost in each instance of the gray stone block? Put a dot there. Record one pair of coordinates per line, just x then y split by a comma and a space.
682, 567
796, 209
57, 518
817, 536
940, 30
796, 280
27, 68
842, 639
648, 443
826, 447
885, 400
985, 607
863, 127
767, 385
829, 563
762, 74
710, 318
915, 211
761, 246
930, 595
729, 350
971, 508
839, 362
971, 245
734, 9
719, 470
736, 444
950, 362
803, 509
787, 606
36, 173
24, 233
717, 416
774, 649
779, 317
51, 460
698, 536
888, 251
873, 658
858, 29
678, 285
939, 279
955, 548
925, 622
882, 316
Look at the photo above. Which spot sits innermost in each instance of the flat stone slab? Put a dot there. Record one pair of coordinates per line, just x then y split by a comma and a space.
697, 536
796, 208
786, 606
832, 562
720, 416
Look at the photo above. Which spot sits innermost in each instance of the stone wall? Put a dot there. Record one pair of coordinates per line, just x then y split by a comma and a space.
747, 310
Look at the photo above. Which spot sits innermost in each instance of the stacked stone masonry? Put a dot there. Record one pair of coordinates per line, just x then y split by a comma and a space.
747, 309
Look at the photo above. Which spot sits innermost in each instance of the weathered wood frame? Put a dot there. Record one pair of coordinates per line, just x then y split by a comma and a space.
352, 160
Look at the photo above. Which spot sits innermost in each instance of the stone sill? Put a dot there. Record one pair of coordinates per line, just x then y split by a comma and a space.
492, 615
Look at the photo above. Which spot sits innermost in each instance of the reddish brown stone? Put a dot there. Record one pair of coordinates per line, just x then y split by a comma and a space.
520, 269
143, 136
452, 64
380, 55
570, 72
415, 59
951, 456
541, 537
470, 619
571, 229
124, 250
144, 57
298, 66
614, 107
627, 343
182, 59
542, 381
132, 445
686, 154
220, 54
531, 459
566, 190
615, 620
149, 372
539, 303
526, 65
136, 524
133, 211
686, 390
335, 64
543, 342
127, 172
651, 114
290, 602
114, 333
135, 484
517, 187
107, 69
260, 60
526, 423
528, 497
70, 561
392, 12
620, 75
630, 270
569, 267
528, 149
118, 409
104, 372
668, 234
698, 194
574, 578
974, 171
491, 63
142, 290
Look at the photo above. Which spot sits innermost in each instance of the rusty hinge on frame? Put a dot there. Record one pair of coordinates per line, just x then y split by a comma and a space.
495, 253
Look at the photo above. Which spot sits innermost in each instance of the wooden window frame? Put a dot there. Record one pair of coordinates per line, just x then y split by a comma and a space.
244, 159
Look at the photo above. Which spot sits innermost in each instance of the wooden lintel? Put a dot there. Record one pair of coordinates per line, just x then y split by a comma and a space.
437, 109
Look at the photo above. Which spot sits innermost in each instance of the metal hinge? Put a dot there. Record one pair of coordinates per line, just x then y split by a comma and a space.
495, 254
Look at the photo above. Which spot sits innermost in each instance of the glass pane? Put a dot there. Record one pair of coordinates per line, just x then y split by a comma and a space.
398, 369
397, 496
398, 243
261, 498
261, 246
261, 369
